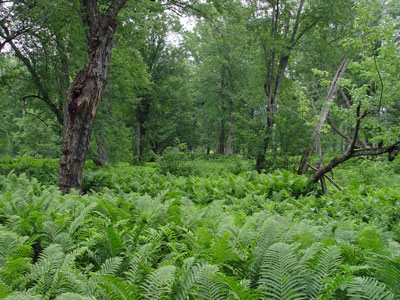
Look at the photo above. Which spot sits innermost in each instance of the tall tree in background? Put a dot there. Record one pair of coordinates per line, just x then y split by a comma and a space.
281, 24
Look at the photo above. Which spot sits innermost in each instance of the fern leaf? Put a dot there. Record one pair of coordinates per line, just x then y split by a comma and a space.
113, 241
281, 274
158, 285
237, 290
110, 266
116, 289
269, 235
327, 264
24, 296
190, 274
138, 262
74, 296
388, 271
78, 221
368, 289
209, 286
332, 284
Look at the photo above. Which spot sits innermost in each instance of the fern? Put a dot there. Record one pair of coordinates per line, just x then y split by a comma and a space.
110, 266
4, 290
116, 289
333, 284
113, 241
158, 285
138, 263
270, 233
327, 263
23, 296
368, 289
191, 273
74, 296
209, 285
281, 275
388, 271
79, 220
237, 290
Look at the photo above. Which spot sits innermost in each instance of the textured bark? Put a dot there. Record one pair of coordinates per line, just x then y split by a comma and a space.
85, 92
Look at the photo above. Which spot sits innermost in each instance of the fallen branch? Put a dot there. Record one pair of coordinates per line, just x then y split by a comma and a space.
327, 177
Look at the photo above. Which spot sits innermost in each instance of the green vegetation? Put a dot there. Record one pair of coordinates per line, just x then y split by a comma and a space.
191, 149
139, 233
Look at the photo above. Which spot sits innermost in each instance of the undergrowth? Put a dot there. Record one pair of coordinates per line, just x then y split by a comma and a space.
140, 234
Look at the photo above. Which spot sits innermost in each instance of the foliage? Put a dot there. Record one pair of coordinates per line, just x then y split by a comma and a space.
146, 235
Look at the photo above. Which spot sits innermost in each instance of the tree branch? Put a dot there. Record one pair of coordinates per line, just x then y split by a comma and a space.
115, 7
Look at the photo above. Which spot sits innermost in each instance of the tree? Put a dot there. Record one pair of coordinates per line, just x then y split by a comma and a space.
85, 92
221, 64
372, 89
280, 26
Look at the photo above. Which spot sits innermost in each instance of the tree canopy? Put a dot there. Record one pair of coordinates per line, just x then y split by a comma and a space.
251, 77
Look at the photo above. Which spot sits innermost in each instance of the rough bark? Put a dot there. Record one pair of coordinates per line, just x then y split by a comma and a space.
323, 116
85, 92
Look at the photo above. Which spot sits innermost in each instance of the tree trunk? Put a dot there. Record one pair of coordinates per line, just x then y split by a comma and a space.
85, 92
229, 141
138, 135
100, 156
323, 116
221, 142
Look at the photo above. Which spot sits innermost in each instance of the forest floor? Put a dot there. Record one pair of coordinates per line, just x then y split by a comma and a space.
199, 229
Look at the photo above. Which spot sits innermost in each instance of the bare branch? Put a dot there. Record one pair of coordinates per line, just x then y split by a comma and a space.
327, 177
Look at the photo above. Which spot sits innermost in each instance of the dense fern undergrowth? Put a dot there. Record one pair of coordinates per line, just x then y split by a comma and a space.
220, 232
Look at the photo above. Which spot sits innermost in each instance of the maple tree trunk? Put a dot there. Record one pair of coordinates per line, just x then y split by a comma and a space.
85, 92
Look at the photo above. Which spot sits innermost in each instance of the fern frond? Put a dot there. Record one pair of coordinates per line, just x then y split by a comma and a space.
237, 290
138, 263
78, 220
269, 235
388, 271
190, 274
368, 289
55, 235
74, 296
209, 286
113, 241
110, 266
327, 264
4, 290
158, 285
281, 274
24, 296
332, 284
116, 289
